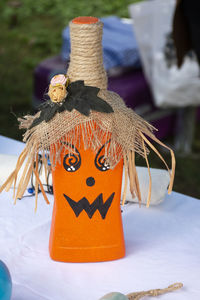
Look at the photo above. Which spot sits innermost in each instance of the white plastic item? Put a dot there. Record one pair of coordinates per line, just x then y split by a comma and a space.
160, 181
171, 87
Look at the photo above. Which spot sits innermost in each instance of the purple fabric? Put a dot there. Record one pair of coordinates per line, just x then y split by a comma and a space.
131, 86
135, 91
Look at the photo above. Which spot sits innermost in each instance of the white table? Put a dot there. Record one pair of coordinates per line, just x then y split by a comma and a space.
162, 247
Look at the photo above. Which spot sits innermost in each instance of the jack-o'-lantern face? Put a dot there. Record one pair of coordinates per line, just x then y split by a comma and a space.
72, 163
86, 181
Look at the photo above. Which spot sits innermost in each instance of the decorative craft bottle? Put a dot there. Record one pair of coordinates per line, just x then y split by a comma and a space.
86, 222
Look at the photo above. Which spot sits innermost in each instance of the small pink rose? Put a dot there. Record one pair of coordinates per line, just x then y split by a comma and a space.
58, 79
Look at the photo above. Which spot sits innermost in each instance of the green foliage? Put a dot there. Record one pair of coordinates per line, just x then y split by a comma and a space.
63, 9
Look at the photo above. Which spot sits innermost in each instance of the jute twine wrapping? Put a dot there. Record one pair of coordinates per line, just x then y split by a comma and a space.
155, 293
126, 130
86, 60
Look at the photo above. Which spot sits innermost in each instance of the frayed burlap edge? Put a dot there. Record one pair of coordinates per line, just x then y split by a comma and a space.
128, 134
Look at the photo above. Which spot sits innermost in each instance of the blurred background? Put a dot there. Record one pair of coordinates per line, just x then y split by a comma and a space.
140, 55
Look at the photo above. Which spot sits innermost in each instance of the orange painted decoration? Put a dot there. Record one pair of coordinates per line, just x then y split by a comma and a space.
87, 237
85, 20
86, 222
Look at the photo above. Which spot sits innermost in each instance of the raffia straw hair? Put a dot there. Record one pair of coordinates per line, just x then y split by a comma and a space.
127, 132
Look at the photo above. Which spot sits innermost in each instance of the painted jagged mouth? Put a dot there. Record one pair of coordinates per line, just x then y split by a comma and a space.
90, 209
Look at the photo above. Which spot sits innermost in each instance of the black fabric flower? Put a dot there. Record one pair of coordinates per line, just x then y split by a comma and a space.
80, 97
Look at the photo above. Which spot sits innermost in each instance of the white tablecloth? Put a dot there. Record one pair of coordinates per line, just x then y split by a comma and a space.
162, 247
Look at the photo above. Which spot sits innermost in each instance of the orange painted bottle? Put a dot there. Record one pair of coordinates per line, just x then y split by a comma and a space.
86, 222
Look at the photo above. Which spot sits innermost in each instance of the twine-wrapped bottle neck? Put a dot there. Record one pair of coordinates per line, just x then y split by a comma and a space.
86, 60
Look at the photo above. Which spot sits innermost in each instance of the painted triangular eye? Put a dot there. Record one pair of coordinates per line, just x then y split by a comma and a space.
72, 161
100, 161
